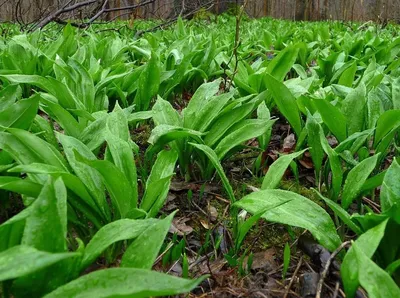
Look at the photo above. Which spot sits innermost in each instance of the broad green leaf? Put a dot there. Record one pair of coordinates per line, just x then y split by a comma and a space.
21, 260
353, 108
215, 162
277, 170
122, 229
354, 142
297, 211
139, 116
40, 148
356, 178
341, 213
199, 99
12, 230
21, 186
119, 187
209, 111
144, 250
283, 62
390, 190
347, 77
20, 114
226, 121
163, 168
62, 116
241, 132
264, 113
386, 122
128, 282
163, 134
46, 225
285, 101
123, 158
376, 281
368, 243
375, 108
149, 82
117, 123
89, 176
164, 113
332, 118
314, 142
396, 94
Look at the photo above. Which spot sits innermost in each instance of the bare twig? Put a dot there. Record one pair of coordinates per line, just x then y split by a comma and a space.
104, 9
293, 277
173, 20
327, 265
235, 48
62, 10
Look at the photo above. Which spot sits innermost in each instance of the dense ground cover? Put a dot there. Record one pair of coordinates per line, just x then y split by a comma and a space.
104, 135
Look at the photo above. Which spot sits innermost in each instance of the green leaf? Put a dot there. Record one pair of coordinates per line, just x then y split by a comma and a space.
390, 190
128, 282
159, 179
376, 281
11, 231
347, 77
277, 170
335, 164
122, 229
353, 108
215, 162
46, 225
332, 117
149, 82
199, 98
224, 122
62, 116
241, 132
20, 114
117, 184
163, 134
367, 243
386, 122
396, 94
164, 113
314, 141
283, 62
209, 111
297, 211
123, 158
144, 250
21, 186
341, 213
40, 148
89, 176
22, 260
286, 259
285, 101
356, 178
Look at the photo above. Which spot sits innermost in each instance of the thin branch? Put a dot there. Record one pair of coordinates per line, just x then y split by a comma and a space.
327, 265
106, 10
293, 277
62, 10
171, 21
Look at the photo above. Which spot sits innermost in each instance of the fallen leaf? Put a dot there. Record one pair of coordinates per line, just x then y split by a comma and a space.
179, 226
264, 260
289, 143
213, 212
204, 224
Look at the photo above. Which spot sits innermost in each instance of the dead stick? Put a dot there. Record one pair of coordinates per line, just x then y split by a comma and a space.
293, 277
326, 269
